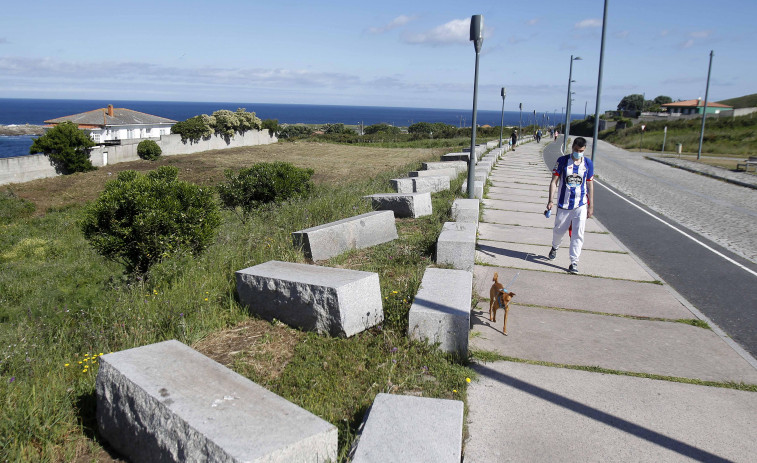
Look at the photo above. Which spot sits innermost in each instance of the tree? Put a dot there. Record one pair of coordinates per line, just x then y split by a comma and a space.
662, 99
634, 102
67, 147
381, 128
420, 128
194, 128
141, 219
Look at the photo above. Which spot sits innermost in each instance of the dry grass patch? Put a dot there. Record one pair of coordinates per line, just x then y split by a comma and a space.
255, 348
333, 164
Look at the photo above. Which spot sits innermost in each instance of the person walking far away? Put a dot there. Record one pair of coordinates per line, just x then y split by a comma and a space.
557, 134
514, 139
538, 136
573, 176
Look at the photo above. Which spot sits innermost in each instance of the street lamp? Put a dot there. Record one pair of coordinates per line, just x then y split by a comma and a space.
704, 112
502, 121
477, 37
599, 82
567, 114
520, 122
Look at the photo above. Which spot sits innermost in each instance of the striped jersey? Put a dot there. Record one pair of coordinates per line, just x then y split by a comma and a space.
572, 191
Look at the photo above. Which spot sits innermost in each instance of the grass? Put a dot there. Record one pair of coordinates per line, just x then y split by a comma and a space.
489, 356
735, 137
61, 304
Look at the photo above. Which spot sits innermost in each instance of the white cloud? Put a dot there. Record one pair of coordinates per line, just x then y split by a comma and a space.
532, 22
456, 31
664, 32
588, 23
700, 34
399, 21
687, 44
622, 34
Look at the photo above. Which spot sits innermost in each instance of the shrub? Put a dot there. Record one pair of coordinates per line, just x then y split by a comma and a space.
140, 219
148, 149
67, 147
295, 131
195, 128
263, 183
272, 125
381, 128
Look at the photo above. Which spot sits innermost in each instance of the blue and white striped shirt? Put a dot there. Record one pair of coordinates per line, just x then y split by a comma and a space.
573, 177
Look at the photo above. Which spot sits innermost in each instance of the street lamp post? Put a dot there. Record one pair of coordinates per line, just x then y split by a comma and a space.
599, 82
477, 36
520, 122
704, 110
567, 114
503, 92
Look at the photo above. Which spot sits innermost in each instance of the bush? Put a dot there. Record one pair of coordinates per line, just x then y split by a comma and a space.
149, 150
381, 128
140, 219
67, 147
12, 207
272, 125
295, 131
195, 128
263, 183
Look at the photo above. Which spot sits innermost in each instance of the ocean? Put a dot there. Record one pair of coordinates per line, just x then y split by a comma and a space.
36, 111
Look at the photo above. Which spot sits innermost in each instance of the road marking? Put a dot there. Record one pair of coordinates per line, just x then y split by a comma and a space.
679, 230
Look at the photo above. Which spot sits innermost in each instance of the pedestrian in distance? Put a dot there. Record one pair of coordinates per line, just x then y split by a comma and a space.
538, 136
572, 179
557, 134
514, 138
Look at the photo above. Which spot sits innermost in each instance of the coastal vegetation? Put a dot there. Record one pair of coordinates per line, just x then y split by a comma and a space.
149, 150
63, 305
67, 147
223, 122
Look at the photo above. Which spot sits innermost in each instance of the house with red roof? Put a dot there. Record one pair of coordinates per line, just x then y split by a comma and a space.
695, 107
111, 125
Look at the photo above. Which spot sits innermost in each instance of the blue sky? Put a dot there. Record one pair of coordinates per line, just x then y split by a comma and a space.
389, 53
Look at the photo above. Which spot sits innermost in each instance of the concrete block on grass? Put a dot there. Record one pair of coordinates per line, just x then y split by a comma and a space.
465, 210
459, 166
441, 309
456, 245
450, 172
358, 232
430, 184
403, 204
168, 402
334, 301
478, 189
455, 157
411, 430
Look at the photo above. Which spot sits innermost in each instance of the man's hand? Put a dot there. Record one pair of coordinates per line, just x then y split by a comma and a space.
589, 211
549, 206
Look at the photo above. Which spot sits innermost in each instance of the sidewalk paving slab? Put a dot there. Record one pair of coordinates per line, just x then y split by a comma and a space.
515, 205
526, 413
597, 294
542, 236
644, 346
511, 182
530, 219
512, 194
533, 257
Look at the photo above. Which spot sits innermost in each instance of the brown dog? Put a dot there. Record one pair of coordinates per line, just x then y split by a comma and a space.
499, 298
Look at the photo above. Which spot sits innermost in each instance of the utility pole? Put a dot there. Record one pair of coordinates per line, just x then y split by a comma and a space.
477, 36
704, 111
599, 83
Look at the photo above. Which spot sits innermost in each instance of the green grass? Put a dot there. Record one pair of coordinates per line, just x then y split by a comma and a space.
488, 356
746, 101
723, 136
60, 303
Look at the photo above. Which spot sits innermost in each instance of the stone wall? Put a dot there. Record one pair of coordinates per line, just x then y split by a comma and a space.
21, 169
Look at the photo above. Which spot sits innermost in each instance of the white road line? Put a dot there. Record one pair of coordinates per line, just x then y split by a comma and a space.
679, 230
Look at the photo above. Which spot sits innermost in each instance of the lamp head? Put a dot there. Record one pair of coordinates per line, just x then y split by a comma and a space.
477, 31
503, 92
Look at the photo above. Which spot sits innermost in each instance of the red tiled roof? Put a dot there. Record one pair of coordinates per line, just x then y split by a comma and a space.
120, 116
695, 103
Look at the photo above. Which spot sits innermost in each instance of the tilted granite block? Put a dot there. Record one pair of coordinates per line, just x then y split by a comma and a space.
358, 232
480, 176
455, 157
465, 210
456, 245
482, 169
485, 165
168, 402
478, 189
430, 184
411, 430
452, 173
403, 204
460, 166
492, 144
441, 309
334, 301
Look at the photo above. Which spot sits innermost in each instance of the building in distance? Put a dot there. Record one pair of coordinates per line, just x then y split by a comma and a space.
111, 125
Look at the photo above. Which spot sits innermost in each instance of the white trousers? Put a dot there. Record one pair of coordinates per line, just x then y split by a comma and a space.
563, 220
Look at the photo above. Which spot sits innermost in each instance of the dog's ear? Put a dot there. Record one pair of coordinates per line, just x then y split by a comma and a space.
496, 275
511, 294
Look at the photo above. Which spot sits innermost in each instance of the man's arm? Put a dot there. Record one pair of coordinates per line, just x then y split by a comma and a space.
552, 189
590, 190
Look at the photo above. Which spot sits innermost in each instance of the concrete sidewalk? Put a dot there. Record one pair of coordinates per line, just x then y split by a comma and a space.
615, 315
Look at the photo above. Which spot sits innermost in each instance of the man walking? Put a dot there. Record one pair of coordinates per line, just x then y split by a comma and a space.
573, 175
514, 138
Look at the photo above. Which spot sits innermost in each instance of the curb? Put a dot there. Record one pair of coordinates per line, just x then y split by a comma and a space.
706, 174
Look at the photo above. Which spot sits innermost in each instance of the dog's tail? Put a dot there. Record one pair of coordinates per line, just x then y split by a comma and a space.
496, 276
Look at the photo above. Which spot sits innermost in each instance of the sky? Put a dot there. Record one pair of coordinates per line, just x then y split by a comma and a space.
389, 53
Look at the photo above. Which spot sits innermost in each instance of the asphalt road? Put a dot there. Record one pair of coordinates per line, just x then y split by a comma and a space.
723, 291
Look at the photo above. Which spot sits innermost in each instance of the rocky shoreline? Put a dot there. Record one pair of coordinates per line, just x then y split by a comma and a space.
25, 129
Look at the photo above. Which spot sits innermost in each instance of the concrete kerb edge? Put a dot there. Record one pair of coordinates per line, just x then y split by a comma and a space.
715, 328
706, 174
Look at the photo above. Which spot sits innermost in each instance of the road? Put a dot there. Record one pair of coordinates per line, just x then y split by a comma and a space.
719, 282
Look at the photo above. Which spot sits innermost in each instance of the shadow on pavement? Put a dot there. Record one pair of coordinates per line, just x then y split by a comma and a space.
605, 418
491, 251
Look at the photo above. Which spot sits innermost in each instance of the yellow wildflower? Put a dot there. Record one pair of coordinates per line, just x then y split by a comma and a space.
467, 380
